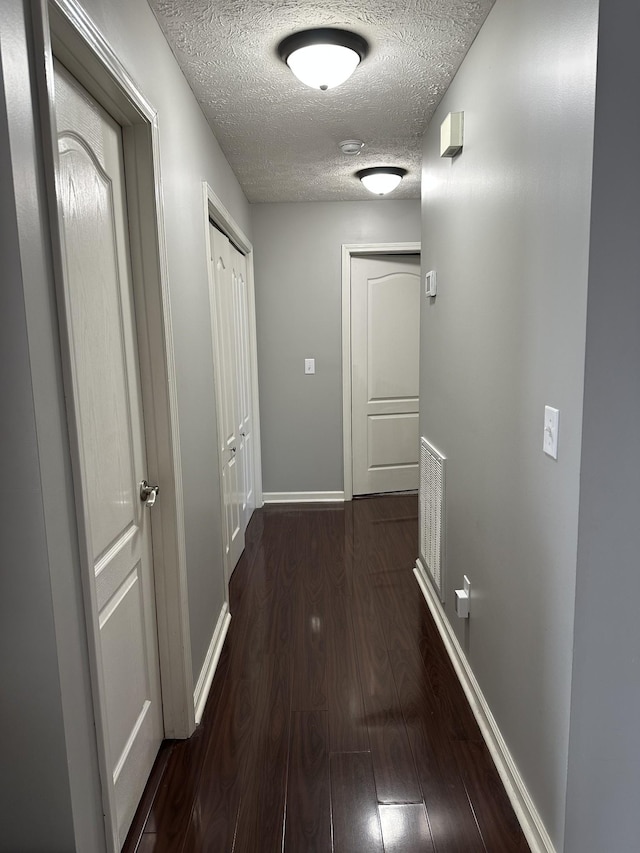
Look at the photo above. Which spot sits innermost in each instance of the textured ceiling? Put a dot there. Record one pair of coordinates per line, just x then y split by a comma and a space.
280, 137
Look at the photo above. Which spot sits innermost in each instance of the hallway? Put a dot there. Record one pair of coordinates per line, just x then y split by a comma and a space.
335, 716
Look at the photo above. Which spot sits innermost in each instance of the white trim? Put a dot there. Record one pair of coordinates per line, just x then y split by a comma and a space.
205, 679
302, 497
350, 250
524, 807
218, 213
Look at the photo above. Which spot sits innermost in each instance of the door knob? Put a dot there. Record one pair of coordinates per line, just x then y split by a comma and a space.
148, 493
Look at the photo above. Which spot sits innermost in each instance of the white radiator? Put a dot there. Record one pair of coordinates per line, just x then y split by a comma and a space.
431, 509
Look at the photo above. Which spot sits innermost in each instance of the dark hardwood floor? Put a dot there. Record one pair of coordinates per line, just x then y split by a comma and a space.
335, 721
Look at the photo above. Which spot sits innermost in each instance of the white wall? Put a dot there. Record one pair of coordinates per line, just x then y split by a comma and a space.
506, 226
298, 258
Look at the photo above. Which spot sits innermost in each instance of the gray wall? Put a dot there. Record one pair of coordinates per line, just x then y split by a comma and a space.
298, 281
604, 746
48, 743
28, 664
506, 226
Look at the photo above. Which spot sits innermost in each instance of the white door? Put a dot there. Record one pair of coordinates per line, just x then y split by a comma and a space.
107, 410
243, 384
225, 324
385, 344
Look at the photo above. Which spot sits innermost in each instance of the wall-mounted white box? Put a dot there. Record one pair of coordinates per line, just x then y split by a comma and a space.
451, 135
462, 604
463, 599
430, 283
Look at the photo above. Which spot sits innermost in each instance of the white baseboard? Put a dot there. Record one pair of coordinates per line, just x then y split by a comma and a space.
201, 692
302, 497
524, 807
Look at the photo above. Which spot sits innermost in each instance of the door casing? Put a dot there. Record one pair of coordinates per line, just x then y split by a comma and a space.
62, 28
350, 250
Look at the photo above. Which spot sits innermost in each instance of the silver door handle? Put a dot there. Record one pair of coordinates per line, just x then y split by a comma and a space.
148, 493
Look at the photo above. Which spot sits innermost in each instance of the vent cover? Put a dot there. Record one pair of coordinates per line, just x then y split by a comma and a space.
431, 501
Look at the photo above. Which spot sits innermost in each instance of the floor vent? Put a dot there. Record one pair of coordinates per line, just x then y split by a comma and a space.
431, 508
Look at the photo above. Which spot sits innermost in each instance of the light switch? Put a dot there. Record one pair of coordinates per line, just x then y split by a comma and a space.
430, 284
550, 443
309, 365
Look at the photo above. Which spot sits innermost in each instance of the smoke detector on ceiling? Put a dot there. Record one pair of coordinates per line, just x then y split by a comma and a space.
351, 146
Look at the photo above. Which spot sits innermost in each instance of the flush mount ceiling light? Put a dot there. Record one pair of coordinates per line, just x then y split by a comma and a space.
323, 58
381, 180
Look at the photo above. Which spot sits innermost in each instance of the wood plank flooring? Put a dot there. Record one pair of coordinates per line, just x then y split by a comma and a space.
335, 722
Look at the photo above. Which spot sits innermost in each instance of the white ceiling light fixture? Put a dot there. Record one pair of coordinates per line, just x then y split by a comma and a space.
323, 58
381, 180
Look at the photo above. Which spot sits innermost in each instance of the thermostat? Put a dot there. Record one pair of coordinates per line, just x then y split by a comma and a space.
451, 135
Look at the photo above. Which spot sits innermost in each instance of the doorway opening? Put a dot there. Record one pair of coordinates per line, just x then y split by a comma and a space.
380, 355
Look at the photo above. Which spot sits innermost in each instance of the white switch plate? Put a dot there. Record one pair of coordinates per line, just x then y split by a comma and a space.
309, 365
430, 283
550, 443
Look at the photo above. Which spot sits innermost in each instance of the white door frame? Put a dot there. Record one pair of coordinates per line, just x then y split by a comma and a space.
216, 212
351, 250
61, 27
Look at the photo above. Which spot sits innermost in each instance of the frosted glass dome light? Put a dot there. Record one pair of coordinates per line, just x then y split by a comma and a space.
381, 180
323, 58
323, 66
